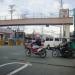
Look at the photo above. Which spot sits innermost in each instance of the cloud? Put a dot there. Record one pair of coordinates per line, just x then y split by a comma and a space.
66, 6
1, 1
34, 6
41, 6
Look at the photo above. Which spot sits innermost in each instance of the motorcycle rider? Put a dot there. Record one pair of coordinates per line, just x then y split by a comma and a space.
37, 43
66, 51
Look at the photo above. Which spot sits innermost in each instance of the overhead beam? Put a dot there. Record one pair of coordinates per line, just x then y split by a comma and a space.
37, 21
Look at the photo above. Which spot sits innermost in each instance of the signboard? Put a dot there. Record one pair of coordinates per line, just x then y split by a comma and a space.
64, 13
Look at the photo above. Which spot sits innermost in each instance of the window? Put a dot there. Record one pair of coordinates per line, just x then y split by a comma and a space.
51, 39
57, 39
47, 39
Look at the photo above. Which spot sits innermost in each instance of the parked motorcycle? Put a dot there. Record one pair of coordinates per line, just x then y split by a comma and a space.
65, 51
31, 49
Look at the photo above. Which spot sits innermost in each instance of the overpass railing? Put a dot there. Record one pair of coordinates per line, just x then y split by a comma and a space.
51, 15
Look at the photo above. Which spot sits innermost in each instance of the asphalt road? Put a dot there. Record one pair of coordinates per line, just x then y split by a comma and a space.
14, 62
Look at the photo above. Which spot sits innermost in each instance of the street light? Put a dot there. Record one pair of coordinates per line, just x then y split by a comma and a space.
11, 10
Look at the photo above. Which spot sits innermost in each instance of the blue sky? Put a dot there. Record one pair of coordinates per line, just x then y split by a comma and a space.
35, 8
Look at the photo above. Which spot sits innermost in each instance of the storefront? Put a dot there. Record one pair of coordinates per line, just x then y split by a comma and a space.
6, 34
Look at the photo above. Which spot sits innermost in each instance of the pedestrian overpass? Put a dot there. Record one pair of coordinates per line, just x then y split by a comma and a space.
37, 21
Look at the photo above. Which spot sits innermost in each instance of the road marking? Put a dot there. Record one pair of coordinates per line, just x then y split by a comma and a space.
11, 63
19, 69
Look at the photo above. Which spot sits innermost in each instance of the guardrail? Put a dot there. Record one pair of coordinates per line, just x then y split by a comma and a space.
51, 15
20, 17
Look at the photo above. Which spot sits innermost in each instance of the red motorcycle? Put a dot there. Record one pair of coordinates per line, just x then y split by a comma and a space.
31, 49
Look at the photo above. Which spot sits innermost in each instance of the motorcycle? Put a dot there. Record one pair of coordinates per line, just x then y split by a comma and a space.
31, 49
65, 51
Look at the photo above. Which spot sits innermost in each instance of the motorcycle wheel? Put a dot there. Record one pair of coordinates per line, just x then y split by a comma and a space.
67, 54
27, 52
43, 53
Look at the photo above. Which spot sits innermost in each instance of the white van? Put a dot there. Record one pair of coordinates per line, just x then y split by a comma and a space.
52, 41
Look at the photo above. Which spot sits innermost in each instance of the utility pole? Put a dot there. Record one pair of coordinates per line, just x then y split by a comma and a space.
42, 32
61, 7
61, 4
74, 20
11, 10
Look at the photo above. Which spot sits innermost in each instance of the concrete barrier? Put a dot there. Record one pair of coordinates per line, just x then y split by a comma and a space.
10, 43
1, 42
19, 42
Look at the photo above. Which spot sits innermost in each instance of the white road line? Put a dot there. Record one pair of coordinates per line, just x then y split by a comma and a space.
11, 63
19, 69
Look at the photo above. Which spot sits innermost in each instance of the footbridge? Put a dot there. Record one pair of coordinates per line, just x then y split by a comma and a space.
37, 21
